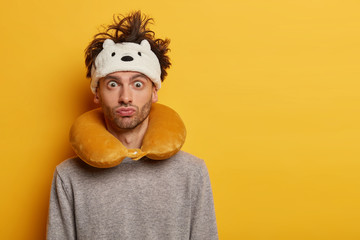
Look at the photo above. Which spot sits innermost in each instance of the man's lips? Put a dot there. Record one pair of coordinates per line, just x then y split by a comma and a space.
125, 111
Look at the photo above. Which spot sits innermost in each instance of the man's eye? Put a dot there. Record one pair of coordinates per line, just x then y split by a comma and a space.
138, 84
112, 84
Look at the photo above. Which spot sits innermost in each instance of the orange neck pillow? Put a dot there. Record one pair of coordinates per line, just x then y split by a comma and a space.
99, 148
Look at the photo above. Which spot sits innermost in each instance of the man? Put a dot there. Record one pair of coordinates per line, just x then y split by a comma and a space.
104, 193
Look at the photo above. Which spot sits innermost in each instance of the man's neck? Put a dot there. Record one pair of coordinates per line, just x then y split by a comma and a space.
130, 138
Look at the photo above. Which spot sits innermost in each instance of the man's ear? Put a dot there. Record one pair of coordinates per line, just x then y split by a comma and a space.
96, 97
154, 95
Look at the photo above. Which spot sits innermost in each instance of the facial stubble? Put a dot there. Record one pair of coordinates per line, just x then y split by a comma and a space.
131, 122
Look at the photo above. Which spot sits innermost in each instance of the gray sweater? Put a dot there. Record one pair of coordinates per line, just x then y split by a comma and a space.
144, 199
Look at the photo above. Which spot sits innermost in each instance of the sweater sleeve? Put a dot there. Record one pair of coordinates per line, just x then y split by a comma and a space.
61, 223
203, 222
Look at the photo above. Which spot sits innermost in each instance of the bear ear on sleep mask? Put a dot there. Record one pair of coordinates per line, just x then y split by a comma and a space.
96, 146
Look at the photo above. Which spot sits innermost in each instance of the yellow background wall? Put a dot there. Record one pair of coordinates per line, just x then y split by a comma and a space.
269, 91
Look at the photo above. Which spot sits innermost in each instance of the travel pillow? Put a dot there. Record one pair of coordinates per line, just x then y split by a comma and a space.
99, 148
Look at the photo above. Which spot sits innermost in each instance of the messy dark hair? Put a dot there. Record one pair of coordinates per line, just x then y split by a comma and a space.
131, 28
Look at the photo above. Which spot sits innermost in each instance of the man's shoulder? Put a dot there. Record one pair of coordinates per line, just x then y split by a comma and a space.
188, 157
189, 161
70, 166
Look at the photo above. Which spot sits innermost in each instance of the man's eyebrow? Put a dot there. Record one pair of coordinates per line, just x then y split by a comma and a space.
111, 77
139, 75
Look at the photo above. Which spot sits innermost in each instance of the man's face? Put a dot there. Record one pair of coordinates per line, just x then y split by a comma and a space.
125, 98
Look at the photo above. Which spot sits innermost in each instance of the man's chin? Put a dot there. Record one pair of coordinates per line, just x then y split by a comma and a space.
127, 123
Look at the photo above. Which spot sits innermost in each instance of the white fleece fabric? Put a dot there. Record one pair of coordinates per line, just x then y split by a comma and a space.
138, 200
126, 56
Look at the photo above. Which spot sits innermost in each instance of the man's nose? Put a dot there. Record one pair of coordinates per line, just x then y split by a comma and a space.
125, 95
